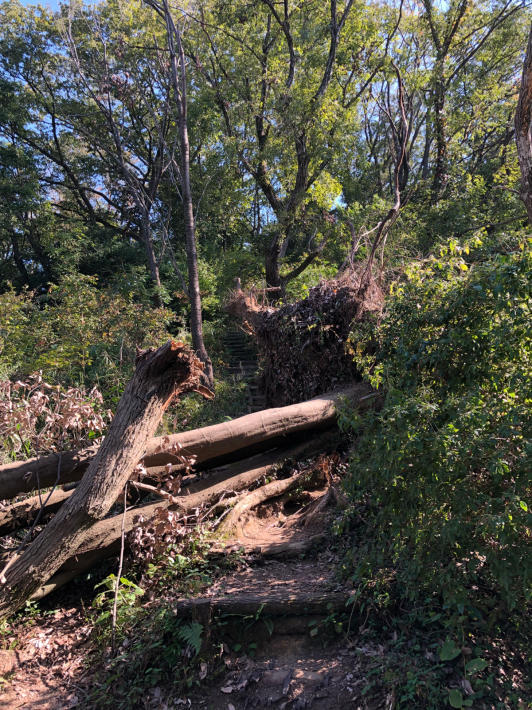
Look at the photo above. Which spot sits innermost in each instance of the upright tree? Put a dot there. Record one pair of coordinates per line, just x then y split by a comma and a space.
182, 170
523, 129
286, 78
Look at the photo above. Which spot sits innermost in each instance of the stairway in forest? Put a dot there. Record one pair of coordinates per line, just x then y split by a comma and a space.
243, 365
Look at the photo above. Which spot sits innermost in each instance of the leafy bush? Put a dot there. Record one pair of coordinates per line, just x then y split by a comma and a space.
78, 334
441, 475
194, 411
156, 647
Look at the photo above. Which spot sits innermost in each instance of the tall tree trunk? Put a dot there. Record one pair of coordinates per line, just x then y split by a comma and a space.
159, 376
150, 254
271, 263
426, 150
19, 261
440, 137
40, 254
523, 129
177, 58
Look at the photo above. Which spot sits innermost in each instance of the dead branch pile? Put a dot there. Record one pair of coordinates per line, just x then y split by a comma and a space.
302, 344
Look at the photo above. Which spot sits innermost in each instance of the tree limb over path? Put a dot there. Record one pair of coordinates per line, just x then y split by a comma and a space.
202, 444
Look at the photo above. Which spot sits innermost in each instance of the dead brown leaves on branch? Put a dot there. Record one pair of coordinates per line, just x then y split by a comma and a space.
302, 344
38, 418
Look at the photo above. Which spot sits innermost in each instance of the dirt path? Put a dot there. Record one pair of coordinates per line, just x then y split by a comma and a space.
278, 622
284, 661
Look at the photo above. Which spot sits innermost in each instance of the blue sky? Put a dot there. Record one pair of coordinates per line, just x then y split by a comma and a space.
52, 4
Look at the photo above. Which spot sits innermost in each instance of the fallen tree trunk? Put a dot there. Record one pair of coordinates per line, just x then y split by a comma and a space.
159, 376
43, 471
102, 540
22, 514
203, 444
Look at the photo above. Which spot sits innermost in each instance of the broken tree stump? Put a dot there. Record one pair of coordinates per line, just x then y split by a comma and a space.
159, 376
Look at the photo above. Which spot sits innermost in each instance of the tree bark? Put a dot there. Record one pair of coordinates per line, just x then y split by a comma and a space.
179, 79
272, 266
523, 129
440, 133
204, 444
159, 376
153, 266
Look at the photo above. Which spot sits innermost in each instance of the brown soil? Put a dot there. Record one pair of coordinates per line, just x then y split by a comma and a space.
46, 670
287, 669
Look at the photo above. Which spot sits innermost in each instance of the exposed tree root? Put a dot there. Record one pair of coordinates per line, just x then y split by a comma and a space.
258, 496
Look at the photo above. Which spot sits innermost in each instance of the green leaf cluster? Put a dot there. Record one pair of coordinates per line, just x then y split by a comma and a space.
443, 472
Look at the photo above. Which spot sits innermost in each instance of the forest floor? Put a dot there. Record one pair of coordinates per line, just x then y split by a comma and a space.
277, 633
290, 661
279, 629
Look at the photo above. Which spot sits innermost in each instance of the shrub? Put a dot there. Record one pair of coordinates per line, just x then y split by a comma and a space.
441, 475
36, 418
78, 334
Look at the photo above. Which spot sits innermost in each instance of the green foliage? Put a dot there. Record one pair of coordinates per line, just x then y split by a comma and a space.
442, 472
128, 594
194, 411
299, 287
160, 649
78, 333
156, 648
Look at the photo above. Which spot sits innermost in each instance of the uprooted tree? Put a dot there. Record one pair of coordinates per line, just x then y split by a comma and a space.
203, 445
303, 344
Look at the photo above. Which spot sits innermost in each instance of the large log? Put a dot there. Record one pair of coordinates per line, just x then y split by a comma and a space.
102, 540
159, 376
203, 444
22, 514
43, 471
